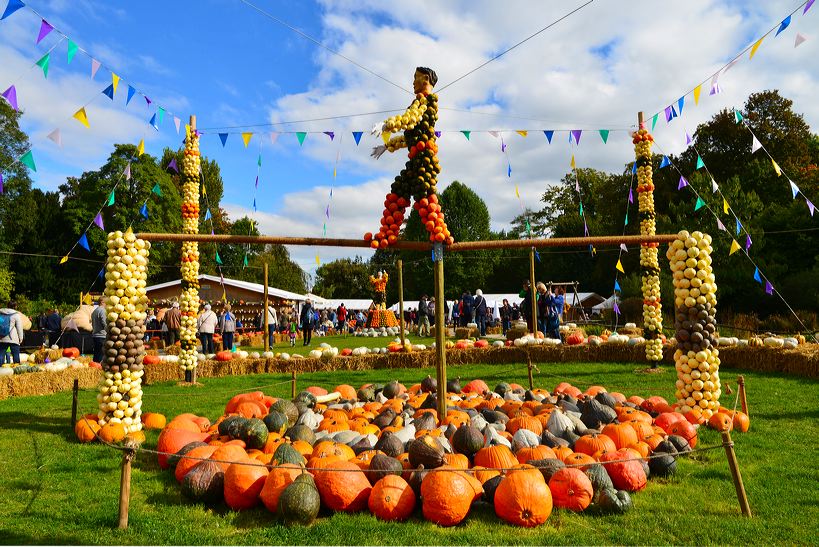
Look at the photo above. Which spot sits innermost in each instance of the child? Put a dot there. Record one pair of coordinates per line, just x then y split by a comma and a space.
292, 332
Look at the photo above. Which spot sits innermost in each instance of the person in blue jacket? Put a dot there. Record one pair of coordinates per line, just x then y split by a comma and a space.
554, 309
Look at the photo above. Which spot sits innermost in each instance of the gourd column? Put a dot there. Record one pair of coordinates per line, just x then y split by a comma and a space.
120, 393
649, 265
695, 306
189, 301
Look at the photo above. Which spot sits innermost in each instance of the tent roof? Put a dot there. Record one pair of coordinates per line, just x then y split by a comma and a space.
254, 287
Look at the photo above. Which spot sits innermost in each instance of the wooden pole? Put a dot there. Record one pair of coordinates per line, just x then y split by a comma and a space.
743, 400
401, 298
529, 364
293, 384
440, 330
125, 486
735, 474
74, 402
264, 313
532, 289
640, 120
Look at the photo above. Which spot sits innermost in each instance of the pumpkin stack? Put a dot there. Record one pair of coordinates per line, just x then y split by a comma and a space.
189, 301
649, 265
695, 306
120, 393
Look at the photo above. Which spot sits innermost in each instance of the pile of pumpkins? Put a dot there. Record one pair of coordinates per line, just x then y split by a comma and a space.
385, 449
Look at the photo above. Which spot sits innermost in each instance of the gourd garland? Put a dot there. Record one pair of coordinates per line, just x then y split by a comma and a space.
120, 393
695, 305
649, 266
189, 301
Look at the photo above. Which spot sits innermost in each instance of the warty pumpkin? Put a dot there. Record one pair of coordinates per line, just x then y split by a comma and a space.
391, 499
344, 488
277, 480
447, 494
244, 481
522, 498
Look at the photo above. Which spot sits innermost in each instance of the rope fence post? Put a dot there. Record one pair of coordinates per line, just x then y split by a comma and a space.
125, 485
735, 474
533, 305
400, 265
293, 384
265, 327
74, 402
743, 400
440, 329
529, 369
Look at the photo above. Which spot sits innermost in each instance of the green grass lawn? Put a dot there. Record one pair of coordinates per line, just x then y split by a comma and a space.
339, 341
56, 491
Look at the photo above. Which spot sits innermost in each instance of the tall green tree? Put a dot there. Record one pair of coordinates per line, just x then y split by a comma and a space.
343, 278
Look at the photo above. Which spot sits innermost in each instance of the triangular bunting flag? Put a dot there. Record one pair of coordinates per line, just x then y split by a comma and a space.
141, 147
634, 168
357, 137
110, 201
738, 227
114, 81
11, 7
576, 185
757, 276
585, 228
218, 258
109, 91
682, 184
509, 170
244, 262
573, 164
207, 214
172, 166
161, 112
56, 137
725, 206
681, 103
517, 192
148, 101
27, 159
259, 161
768, 287
43, 63
152, 122
720, 225
127, 172
157, 190
616, 309
275, 137
665, 162
549, 134
223, 137
617, 285
807, 6
45, 30
257, 181
755, 144
756, 47
811, 207
688, 138
738, 116
794, 189
327, 212
604, 134
64, 259
83, 242
330, 134
11, 96
466, 134
385, 136
626, 220
176, 122
144, 210
1, 184
776, 168
537, 255
95, 66
668, 114
576, 134
699, 205
98, 221
581, 208
619, 266
714, 186
254, 204
72, 50
748, 242
623, 247
318, 262
697, 91
700, 163
301, 135
522, 133
437, 134
494, 134
246, 138
630, 196
800, 39
734, 247
130, 95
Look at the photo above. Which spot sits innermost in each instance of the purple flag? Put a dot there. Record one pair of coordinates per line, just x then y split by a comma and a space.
11, 96
147, 100
720, 225
330, 134
616, 308
98, 221
45, 30
172, 165
748, 242
687, 138
327, 211
811, 207
768, 287
438, 134
807, 6
585, 227
630, 196
1, 183
683, 183
668, 113
257, 181
576, 134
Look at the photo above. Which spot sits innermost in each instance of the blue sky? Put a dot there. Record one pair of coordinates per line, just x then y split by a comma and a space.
231, 66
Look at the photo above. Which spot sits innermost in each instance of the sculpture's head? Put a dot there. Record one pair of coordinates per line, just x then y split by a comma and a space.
425, 79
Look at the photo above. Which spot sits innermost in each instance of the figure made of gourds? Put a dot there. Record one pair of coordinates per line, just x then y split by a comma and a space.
379, 284
419, 177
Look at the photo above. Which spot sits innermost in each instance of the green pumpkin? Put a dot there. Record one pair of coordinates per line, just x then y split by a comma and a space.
614, 501
255, 434
288, 409
599, 478
662, 465
301, 432
391, 390
300, 502
306, 398
366, 394
285, 453
276, 422
548, 467
502, 388
225, 425
467, 440
236, 429
204, 483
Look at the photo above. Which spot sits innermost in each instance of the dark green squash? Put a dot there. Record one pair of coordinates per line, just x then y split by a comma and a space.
548, 467
173, 459
236, 428
427, 451
288, 409
389, 444
392, 390
381, 466
502, 388
662, 464
225, 425
301, 432
595, 415
454, 385
204, 483
605, 399
666, 447
276, 422
599, 478
255, 434
300, 502
614, 501
384, 418
366, 394
306, 398
489, 488
423, 421
467, 440
679, 443
429, 384
285, 453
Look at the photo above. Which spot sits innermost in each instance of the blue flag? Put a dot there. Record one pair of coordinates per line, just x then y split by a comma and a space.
223, 137
207, 214
739, 227
144, 211
634, 168
617, 286
130, 96
785, 23
549, 134
357, 136
757, 277
83, 242
152, 122
665, 162
109, 91
12, 6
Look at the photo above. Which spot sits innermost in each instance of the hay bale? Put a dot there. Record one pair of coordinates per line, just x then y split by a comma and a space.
630, 331
46, 383
172, 350
517, 332
462, 333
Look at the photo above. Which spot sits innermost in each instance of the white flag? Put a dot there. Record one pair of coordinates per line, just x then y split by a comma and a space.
755, 144
799, 39
56, 137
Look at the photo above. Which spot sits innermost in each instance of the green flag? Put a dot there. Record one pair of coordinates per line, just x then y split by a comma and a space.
738, 116
581, 208
72, 50
157, 190
654, 120
244, 264
259, 163
699, 205
700, 163
110, 199
301, 135
604, 134
466, 134
626, 218
218, 258
43, 63
27, 159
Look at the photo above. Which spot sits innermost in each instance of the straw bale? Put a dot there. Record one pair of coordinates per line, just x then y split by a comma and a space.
516, 332
45, 383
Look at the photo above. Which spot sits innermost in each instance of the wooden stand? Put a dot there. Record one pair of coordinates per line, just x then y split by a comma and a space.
401, 299
533, 290
440, 329
735, 474
75, 402
743, 400
293, 384
265, 329
125, 486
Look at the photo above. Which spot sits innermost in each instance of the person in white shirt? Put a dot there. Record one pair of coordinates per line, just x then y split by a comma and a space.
206, 326
11, 332
272, 322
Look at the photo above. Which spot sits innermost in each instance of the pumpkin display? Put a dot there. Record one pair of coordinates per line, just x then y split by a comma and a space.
522, 498
300, 501
571, 489
204, 482
153, 420
625, 471
685, 430
244, 481
279, 478
467, 440
611, 500
346, 488
594, 442
191, 459
447, 495
86, 430
112, 433
741, 422
496, 457
391, 499
427, 451
189, 268
540, 452
623, 435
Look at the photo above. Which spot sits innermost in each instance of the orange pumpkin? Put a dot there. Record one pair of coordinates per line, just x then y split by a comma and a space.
642, 447
594, 442
346, 488
458, 461
228, 453
525, 422
86, 430
184, 424
741, 422
332, 448
685, 430
642, 429
332, 425
172, 440
583, 461
335, 414
622, 434
153, 420
483, 474
112, 433
191, 460
721, 422
540, 452
244, 483
653, 440
347, 392
391, 499
523, 498
571, 489
497, 457
563, 452
277, 480
448, 494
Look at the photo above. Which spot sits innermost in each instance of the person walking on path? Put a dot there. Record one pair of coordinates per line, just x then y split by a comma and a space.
11, 331
480, 311
506, 316
467, 313
307, 319
99, 327
173, 320
206, 326
554, 304
423, 316
53, 325
341, 314
227, 324
272, 321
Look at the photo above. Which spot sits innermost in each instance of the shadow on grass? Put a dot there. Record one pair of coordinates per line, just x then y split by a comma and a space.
32, 423
19, 537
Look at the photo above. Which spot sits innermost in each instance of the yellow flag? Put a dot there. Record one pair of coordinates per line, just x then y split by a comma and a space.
620, 266
141, 147
205, 192
385, 136
318, 262
776, 168
725, 206
574, 166
246, 137
115, 81
81, 117
224, 296
734, 247
517, 192
756, 47
594, 251
697, 91
522, 133
64, 259
334, 172
87, 300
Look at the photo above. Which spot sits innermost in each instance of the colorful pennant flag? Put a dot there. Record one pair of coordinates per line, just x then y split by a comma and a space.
114, 81
318, 262
714, 186
549, 134
64, 259
688, 138
207, 214
517, 192
776, 168
172, 166
144, 211
807, 6
223, 137
581, 208
697, 91
218, 258
301, 135
720, 225
11, 7
739, 227
755, 47
385, 136
56, 137
634, 168
680, 104
738, 116
141, 147
699, 205
1, 184
630, 196
357, 137
604, 134
83, 242
615, 308
623, 247
110, 201
246, 138
11, 96
734, 247
811, 207
466, 134
131, 92
665, 162
45, 30
157, 190
682, 184
757, 276
152, 122
128, 171
522, 133
72, 50
95, 66
109, 91
619, 266
161, 112
617, 286
755, 144
725, 206
700, 163
244, 262
176, 122
27, 159
748, 242
576, 134
98, 221
43, 63
768, 287
794, 189
799, 40
573, 164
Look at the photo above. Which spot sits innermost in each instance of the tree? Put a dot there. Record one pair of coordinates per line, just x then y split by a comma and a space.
343, 278
283, 272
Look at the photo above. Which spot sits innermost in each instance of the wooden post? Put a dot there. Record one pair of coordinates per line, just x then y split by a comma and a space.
533, 289
293, 384
743, 400
401, 298
266, 329
440, 329
125, 486
735, 474
640, 120
74, 402
529, 364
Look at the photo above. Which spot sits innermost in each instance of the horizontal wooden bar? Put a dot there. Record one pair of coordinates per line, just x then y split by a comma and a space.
597, 241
